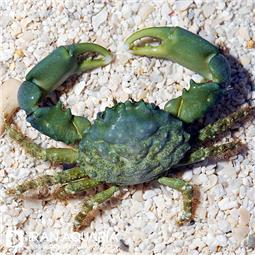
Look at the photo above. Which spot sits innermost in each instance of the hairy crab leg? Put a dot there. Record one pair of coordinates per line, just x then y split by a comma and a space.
45, 77
74, 180
70, 175
211, 131
195, 53
99, 198
187, 191
75, 187
213, 151
61, 155
40, 182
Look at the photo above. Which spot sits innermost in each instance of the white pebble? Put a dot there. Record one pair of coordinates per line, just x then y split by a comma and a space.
138, 196
226, 204
16, 29
160, 202
126, 11
243, 32
244, 216
123, 96
79, 87
159, 247
208, 10
165, 10
182, 5
114, 82
187, 175
145, 11
9, 101
138, 236
240, 232
32, 204
99, 18
135, 208
226, 168
27, 36
224, 226
201, 212
149, 194
251, 241
200, 179
150, 215
250, 194
245, 60
251, 131
212, 181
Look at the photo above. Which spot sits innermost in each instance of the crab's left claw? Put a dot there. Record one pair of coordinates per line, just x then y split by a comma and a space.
155, 34
193, 52
184, 48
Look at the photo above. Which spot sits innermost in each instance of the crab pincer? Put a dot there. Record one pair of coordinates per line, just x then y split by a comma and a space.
192, 52
49, 74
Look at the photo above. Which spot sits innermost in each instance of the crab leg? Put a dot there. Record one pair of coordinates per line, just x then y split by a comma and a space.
193, 52
187, 191
75, 187
99, 198
212, 130
61, 155
45, 77
213, 151
73, 181
39, 182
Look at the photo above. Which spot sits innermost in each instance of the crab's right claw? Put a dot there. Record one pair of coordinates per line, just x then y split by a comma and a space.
50, 73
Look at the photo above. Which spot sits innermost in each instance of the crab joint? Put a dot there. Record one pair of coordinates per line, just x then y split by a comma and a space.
87, 207
187, 191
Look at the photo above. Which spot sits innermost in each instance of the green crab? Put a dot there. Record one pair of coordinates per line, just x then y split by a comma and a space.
132, 142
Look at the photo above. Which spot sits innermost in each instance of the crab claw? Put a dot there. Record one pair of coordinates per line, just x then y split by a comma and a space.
184, 48
88, 64
158, 34
49, 74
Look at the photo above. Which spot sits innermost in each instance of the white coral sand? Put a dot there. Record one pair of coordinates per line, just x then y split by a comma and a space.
142, 223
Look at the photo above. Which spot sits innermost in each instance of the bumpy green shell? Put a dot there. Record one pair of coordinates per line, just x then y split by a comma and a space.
132, 143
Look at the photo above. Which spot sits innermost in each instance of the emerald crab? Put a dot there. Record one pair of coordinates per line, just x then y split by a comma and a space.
132, 142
